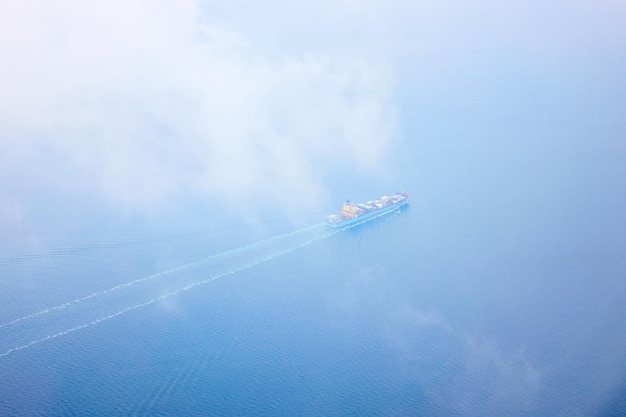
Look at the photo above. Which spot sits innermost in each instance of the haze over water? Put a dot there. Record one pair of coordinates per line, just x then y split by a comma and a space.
147, 148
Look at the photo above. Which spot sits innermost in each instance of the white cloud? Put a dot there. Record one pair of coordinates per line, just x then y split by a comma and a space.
488, 377
141, 99
511, 379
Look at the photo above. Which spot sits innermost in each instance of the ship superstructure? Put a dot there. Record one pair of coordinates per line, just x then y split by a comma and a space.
352, 213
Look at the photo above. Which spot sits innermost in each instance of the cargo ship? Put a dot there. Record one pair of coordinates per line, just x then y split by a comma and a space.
352, 213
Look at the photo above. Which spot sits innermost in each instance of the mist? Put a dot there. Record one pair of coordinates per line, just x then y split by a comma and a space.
505, 121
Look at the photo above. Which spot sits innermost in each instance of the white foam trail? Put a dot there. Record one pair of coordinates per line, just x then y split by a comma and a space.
268, 249
237, 268
160, 274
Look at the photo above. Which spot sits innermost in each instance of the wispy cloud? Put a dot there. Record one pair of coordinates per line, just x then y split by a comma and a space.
139, 100
135, 101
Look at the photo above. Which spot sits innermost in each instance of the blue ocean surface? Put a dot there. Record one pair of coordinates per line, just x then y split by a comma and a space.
392, 317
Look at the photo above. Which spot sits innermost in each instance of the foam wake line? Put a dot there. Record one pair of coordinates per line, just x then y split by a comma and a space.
51, 323
197, 263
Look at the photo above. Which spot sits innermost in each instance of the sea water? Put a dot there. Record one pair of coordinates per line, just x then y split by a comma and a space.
393, 317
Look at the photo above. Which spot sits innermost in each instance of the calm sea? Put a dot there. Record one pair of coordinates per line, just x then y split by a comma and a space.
391, 318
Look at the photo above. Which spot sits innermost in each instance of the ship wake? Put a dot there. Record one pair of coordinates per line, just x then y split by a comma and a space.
80, 313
